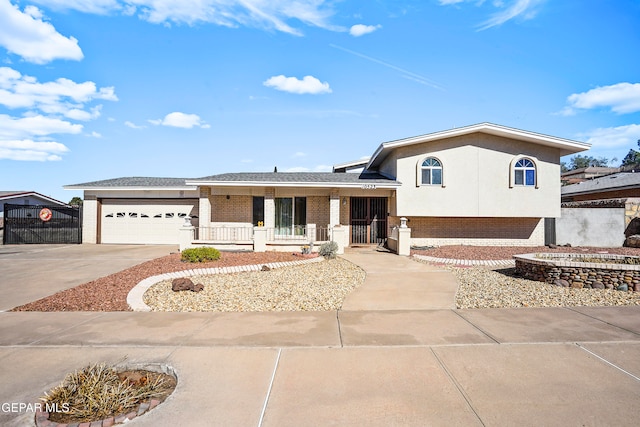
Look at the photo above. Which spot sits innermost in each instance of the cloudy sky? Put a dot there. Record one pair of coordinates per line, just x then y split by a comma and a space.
98, 89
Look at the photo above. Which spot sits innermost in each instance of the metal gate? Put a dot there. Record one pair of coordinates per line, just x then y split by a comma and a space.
27, 224
368, 220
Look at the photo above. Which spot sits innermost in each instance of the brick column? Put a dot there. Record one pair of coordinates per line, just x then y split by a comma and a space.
204, 210
334, 208
90, 219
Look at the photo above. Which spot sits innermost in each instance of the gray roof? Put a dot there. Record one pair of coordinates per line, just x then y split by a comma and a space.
298, 177
242, 177
134, 181
616, 181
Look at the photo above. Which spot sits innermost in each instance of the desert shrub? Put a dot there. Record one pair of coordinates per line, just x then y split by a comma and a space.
98, 391
200, 254
329, 250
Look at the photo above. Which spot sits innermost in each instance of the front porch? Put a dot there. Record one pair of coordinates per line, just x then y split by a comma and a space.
237, 216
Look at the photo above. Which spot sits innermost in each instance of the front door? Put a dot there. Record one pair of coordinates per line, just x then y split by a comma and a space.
368, 220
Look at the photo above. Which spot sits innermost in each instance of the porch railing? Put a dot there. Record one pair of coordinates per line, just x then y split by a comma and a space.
225, 234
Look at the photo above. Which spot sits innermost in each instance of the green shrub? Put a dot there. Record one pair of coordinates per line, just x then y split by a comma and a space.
329, 250
200, 254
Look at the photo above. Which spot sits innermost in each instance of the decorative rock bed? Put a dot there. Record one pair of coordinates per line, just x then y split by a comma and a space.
598, 271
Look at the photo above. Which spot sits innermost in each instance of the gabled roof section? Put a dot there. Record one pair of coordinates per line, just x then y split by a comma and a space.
296, 179
617, 181
566, 146
132, 183
354, 164
7, 196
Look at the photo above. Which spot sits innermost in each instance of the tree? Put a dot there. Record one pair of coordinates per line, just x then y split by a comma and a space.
632, 157
578, 162
76, 201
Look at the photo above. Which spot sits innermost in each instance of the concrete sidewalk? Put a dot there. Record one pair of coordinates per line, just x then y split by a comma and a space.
391, 365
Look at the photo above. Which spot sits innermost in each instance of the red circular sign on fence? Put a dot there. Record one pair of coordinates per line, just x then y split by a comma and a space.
45, 214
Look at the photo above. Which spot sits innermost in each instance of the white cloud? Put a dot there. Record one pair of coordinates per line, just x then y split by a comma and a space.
27, 35
26, 127
613, 137
62, 96
28, 150
621, 98
509, 9
319, 168
360, 29
181, 120
270, 15
299, 154
308, 84
133, 125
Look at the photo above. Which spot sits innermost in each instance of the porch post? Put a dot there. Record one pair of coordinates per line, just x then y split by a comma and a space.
404, 238
269, 208
334, 208
204, 209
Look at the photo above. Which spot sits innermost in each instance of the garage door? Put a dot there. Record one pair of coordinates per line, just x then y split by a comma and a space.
136, 221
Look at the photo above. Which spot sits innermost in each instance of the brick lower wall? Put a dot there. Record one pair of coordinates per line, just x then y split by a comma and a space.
233, 209
318, 210
475, 231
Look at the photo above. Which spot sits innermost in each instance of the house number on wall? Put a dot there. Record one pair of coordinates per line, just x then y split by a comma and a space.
368, 186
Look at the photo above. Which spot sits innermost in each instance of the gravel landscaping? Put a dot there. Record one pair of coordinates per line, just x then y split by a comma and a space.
320, 286
485, 288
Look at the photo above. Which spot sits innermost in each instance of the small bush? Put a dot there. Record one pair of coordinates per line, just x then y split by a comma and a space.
329, 250
200, 254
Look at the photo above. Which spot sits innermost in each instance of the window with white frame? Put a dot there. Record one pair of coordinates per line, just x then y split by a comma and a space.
431, 171
524, 172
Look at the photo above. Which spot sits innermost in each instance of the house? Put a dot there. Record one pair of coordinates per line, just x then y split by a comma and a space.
483, 184
29, 198
579, 175
614, 186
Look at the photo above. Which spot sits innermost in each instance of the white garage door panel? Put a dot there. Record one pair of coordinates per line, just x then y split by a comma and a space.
144, 221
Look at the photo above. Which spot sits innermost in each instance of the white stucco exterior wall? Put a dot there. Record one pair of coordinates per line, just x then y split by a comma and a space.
476, 178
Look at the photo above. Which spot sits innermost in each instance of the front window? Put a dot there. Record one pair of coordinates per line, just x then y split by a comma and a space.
524, 173
291, 216
431, 171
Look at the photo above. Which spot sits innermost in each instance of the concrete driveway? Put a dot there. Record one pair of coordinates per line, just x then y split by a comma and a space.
31, 272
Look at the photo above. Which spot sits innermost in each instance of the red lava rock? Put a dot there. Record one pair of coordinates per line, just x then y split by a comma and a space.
110, 293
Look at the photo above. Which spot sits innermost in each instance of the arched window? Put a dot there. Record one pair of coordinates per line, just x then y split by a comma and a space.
524, 172
431, 171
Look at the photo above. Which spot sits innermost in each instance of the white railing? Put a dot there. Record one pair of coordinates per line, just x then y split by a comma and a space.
225, 234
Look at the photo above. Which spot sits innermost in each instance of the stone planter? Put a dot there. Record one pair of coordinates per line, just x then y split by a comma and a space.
564, 269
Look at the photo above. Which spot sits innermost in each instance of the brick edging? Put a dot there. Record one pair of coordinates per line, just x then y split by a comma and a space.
465, 262
42, 417
135, 295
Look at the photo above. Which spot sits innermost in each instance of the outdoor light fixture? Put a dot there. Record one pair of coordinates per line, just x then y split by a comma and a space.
228, 197
344, 201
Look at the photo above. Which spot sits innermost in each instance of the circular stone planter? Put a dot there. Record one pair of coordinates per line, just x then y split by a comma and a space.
42, 417
572, 270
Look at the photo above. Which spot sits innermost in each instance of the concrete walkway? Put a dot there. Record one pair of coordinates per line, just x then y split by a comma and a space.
390, 365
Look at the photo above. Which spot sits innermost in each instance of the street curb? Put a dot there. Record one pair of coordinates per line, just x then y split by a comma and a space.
466, 262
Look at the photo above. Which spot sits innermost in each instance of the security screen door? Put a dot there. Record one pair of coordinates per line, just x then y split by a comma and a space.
368, 220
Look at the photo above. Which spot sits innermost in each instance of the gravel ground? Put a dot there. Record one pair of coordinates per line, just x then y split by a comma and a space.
506, 252
110, 293
319, 286
485, 288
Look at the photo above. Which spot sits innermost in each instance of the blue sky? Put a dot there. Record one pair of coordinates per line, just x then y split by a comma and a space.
98, 89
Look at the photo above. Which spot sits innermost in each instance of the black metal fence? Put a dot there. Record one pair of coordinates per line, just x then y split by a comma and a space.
28, 224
